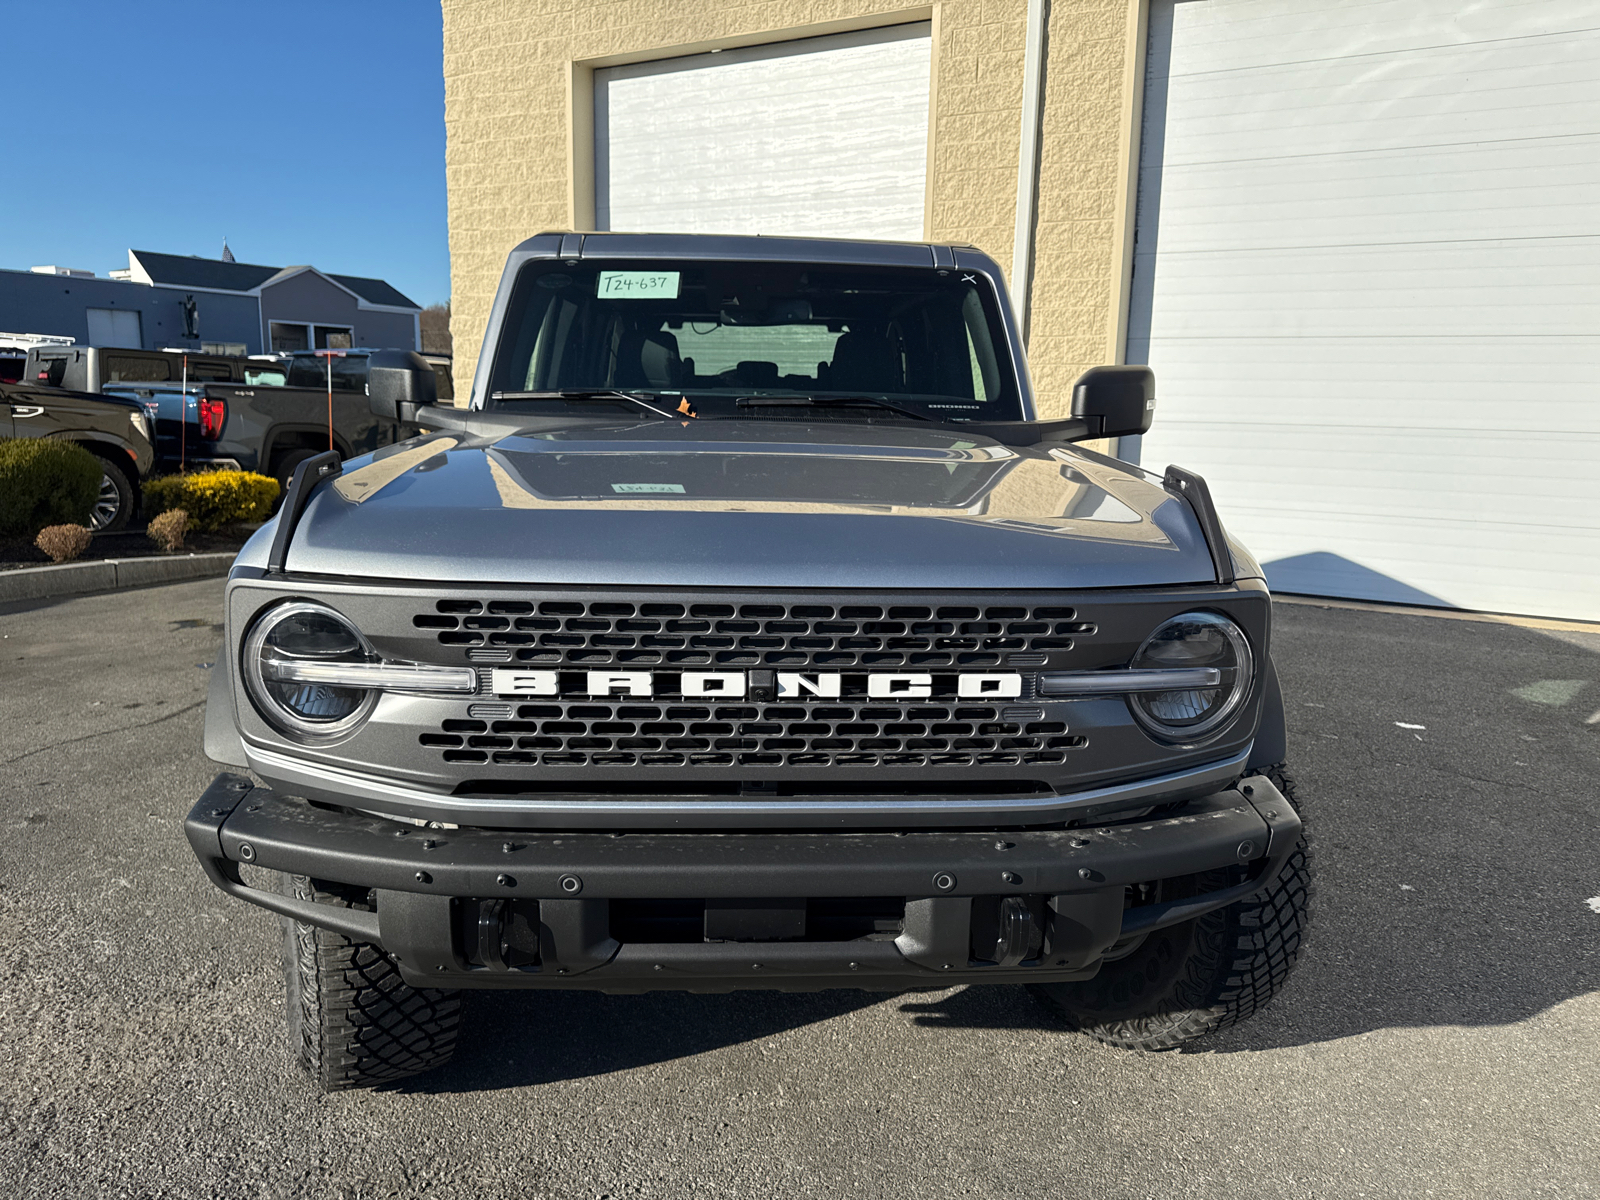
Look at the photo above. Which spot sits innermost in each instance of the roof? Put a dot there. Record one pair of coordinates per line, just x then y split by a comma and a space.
177, 270
375, 291
751, 248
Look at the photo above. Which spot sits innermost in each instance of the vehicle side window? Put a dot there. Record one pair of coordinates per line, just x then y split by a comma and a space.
446, 388
311, 371
211, 372
122, 368
264, 376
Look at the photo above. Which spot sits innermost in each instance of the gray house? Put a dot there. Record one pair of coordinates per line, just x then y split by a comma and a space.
208, 304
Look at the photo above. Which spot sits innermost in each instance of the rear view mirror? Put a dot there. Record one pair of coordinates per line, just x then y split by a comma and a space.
1115, 401
398, 383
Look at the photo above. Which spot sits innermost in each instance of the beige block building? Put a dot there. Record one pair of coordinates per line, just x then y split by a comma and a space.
555, 111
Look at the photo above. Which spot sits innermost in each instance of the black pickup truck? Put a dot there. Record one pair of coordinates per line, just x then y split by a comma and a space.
254, 414
751, 630
114, 429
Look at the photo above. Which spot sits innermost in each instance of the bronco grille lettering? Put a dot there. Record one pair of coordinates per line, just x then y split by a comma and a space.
825, 685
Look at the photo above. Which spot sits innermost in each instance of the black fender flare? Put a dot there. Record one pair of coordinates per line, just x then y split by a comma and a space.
1272, 737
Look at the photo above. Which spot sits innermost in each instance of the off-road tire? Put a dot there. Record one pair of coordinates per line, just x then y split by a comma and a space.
353, 1022
1203, 975
114, 504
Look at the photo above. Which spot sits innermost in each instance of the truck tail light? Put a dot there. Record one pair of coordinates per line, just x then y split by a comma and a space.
212, 414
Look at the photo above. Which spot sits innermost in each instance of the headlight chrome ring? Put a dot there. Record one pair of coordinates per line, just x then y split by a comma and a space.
1194, 640
301, 633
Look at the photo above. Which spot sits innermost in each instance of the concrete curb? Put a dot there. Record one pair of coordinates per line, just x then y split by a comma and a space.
72, 579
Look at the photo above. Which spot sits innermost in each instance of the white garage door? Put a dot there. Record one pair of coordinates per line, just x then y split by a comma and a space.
825, 136
1368, 277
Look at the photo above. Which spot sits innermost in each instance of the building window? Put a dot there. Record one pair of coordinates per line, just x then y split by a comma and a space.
288, 336
230, 349
335, 337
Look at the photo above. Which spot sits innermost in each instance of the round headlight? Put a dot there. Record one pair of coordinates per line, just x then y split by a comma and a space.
1196, 639
299, 634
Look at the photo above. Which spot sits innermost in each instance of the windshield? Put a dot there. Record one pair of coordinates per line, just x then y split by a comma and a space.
715, 333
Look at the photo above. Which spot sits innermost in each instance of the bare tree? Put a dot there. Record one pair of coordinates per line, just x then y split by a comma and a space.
436, 329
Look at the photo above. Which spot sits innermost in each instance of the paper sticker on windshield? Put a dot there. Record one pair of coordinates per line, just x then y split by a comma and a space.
676, 488
638, 285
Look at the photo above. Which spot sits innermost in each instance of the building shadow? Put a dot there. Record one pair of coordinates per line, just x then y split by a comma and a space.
1322, 573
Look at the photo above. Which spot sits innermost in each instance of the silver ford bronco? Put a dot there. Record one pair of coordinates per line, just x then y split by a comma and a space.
749, 630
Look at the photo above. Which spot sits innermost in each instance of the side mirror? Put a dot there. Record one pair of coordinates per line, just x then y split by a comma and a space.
1115, 401
399, 382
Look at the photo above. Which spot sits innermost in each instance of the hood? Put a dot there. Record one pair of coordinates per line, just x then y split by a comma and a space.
745, 504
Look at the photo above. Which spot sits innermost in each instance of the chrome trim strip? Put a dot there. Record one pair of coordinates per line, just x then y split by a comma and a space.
1119, 683
333, 785
384, 676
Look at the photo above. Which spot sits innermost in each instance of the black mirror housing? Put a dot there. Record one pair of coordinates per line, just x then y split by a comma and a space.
398, 383
1115, 401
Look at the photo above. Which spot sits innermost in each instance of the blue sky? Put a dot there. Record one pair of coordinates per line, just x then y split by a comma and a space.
301, 132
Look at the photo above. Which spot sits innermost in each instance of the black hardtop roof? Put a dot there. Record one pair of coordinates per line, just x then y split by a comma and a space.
756, 247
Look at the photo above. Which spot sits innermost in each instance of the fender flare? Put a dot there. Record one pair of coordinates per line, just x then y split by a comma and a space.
222, 741
1272, 737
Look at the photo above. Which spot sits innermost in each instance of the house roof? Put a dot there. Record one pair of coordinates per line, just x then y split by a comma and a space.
177, 270
375, 291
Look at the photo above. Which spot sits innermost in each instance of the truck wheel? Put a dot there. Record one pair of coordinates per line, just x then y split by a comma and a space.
353, 1022
1204, 975
283, 472
114, 505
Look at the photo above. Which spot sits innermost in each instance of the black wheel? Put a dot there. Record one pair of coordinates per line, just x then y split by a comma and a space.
1204, 975
353, 1022
283, 471
114, 505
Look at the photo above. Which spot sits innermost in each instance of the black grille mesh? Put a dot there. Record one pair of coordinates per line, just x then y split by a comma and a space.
600, 633
627, 734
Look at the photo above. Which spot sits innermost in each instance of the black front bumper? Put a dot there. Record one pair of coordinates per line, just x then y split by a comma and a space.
437, 890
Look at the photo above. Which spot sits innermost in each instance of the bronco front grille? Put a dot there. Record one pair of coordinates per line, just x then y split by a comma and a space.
594, 633
620, 733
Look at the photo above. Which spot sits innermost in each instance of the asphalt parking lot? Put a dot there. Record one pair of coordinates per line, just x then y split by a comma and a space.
1441, 1038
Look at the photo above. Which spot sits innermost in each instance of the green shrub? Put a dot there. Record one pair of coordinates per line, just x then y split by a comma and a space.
45, 482
213, 498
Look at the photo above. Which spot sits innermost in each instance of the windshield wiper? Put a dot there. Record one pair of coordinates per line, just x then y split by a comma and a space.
582, 394
827, 402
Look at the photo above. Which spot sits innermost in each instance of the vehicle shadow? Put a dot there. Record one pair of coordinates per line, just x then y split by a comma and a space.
513, 1039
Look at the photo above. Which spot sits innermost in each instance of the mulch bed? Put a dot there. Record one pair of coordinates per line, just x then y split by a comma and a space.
129, 543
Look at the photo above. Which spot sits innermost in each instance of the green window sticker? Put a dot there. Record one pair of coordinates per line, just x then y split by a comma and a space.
648, 487
638, 285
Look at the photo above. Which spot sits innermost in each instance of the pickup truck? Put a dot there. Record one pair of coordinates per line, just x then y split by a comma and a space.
280, 415
750, 629
113, 429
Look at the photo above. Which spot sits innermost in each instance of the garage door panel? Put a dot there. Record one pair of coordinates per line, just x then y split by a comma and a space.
1267, 33
825, 136
1436, 194
1361, 102
1485, 289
